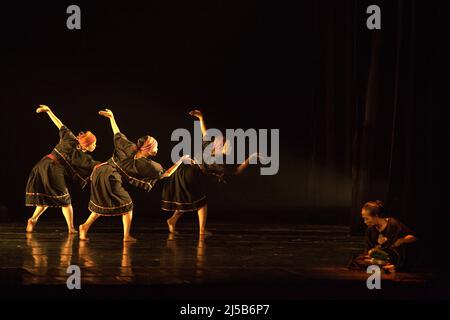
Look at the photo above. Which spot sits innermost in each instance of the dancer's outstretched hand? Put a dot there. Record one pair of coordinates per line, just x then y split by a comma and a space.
258, 156
186, 158
106, 113
196, 113
42, 108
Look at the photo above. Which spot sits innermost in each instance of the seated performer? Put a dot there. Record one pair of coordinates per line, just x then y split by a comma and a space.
46, 186
389, 242
185, 190
130, 162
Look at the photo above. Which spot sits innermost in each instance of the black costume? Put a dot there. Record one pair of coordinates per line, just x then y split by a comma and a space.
108, 196
46, 184
185, 189
402, 257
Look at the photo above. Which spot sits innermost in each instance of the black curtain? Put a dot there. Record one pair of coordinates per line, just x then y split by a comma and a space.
387, 92
399, 126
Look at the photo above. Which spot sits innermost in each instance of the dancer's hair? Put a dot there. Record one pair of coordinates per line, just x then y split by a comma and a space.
374, 208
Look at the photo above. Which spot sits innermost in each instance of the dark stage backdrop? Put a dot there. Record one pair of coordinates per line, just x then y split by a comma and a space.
392, 86
357, 109
398, 90
246, 65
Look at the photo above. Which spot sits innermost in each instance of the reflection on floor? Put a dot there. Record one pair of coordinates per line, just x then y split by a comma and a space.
267, 261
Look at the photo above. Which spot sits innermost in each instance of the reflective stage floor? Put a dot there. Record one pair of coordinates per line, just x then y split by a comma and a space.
236, 262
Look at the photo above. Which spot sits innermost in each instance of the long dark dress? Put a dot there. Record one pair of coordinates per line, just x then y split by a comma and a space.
402, 257
108, 196
46, 184
185, 190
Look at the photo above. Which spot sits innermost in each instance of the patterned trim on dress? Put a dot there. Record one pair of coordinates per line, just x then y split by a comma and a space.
130, 177
111, 214
112, 211
182, 203
180, 210
110, 208
46, 195
46, 206
183, 207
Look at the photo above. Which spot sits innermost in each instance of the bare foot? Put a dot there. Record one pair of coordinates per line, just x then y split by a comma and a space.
205, 232
30, 225
83, 233
129, 239
73, 231
171, 237
171, 226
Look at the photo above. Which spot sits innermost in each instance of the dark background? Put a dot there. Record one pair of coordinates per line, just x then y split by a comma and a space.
246, 65
363, 114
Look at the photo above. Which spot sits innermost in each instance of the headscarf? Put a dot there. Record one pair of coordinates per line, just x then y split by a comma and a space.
86, 139
149, 144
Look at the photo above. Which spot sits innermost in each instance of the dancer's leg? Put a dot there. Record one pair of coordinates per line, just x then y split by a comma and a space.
34, 218
66, 251
126, 220
172, 221
68, 215
202, 215
84, 228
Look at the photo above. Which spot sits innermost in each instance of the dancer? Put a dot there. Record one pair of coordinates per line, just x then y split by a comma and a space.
184, 191
46, 186
390, 243
129, 162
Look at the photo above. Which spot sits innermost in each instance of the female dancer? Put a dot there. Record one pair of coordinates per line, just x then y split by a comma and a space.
184, 191
46, 186
130, 162
390, 243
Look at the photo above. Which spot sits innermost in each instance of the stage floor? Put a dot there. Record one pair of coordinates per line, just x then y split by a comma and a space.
235, 262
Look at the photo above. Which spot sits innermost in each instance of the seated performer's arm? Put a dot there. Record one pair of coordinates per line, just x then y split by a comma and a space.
403, 235
405, 240
46, 109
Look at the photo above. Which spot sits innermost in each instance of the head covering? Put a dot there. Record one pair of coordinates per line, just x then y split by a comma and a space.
149, 144
86, 139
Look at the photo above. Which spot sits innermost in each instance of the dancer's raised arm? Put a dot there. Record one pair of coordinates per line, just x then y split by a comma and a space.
46, 109
109, 114
198, 114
